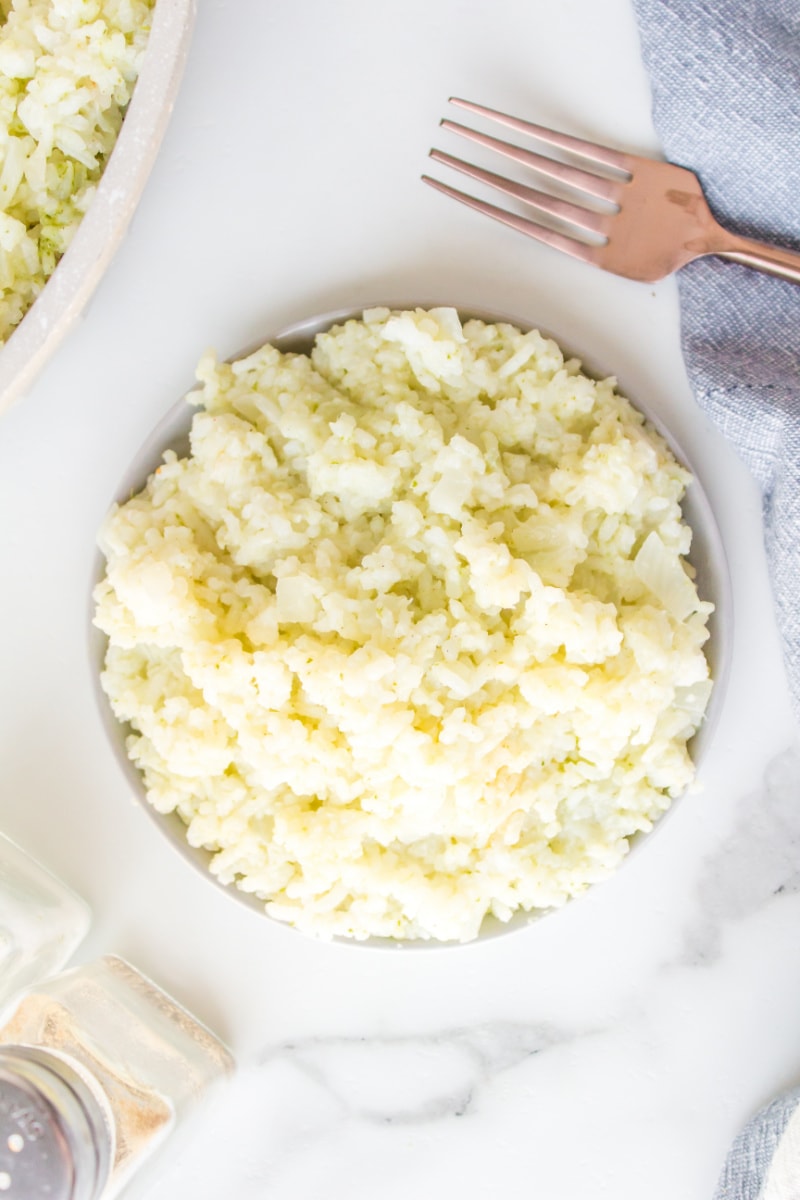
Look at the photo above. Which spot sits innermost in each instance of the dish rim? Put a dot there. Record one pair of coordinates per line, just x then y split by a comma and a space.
713, 577
68, 290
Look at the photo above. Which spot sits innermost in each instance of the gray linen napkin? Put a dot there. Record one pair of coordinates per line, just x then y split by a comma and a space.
764, 1163
726, 100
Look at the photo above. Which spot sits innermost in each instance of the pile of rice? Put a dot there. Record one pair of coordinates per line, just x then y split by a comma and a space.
408, 639
67, 71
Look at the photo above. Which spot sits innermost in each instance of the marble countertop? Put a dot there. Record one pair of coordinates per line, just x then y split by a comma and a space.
612, 1049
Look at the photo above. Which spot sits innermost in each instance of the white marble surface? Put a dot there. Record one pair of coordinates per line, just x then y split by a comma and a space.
611, 1050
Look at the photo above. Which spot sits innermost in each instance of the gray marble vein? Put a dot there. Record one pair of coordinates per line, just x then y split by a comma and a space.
301, 1101
760, 860
411, 1079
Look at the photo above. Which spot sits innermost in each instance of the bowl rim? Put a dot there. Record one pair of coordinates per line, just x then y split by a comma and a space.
297, 337
67, 291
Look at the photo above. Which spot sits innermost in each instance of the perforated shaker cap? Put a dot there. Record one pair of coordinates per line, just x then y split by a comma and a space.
55, 1143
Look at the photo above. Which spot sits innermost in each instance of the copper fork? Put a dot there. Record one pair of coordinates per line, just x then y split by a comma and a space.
651, 217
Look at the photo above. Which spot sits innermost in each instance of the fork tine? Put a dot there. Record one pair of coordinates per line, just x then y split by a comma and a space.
573, 214
563, 141
532, 229
594, 185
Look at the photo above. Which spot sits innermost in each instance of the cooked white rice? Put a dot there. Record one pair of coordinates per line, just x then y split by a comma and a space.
408, 639
67, 70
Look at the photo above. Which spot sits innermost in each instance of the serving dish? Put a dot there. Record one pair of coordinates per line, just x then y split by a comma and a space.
707, 557
78, 273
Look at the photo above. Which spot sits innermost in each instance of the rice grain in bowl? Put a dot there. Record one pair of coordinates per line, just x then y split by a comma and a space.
408, 641
86, 89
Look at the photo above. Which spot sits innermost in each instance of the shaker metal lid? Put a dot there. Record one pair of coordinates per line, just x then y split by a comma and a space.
53, 1138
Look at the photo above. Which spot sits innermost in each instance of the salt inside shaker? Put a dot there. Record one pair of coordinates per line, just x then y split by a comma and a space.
42, 921
97, 1066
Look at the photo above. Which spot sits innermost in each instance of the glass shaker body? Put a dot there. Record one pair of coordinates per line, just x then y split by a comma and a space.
141, 1057
42, 921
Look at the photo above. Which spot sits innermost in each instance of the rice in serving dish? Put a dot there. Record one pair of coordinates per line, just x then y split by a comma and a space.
67, 73
409, 639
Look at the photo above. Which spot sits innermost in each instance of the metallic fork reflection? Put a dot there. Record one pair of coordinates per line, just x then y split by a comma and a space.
650, 219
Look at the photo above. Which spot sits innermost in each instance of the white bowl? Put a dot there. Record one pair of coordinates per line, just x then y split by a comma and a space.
70, 286
707, 557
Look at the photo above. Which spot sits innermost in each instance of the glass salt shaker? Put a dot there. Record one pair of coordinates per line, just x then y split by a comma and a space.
97, 1067
42, 921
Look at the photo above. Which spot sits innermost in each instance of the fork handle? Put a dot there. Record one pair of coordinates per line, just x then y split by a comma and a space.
762, 257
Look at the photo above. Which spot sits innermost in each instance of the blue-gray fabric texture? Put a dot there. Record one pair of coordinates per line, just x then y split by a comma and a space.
725, 77
754, 1148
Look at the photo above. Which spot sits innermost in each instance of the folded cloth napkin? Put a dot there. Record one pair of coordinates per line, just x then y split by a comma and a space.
725, 76
764, 1161
726, 101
